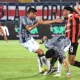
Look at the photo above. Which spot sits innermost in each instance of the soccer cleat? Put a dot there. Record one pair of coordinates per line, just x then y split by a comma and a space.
50, 72
45, 73
68, 74
43, 70
58, 74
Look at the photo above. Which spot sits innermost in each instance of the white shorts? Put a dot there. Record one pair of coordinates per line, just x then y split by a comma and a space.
31, 45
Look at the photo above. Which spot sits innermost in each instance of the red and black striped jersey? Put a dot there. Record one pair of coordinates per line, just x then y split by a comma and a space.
73, 28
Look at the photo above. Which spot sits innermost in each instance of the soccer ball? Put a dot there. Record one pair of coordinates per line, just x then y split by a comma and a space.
44, 69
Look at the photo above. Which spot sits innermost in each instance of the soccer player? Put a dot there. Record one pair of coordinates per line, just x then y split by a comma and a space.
2, 32
27, 23
57, 46
72, 32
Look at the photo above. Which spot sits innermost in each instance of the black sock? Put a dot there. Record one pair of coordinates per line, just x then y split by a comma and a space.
40, 55
60, 61
52, 62
77, 64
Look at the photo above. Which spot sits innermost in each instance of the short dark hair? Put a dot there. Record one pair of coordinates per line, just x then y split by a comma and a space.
31, 10
69, 9
50, 53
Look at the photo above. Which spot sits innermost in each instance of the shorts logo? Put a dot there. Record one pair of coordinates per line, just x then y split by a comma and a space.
71, 49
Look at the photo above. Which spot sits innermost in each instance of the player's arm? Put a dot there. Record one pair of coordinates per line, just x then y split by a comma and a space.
76, 8
51, 21
5, 38
28, 26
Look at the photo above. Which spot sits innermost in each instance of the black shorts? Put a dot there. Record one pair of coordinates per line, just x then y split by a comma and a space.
53, 53
73, 49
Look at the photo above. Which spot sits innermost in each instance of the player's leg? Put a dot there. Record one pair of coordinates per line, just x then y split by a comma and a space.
72, 55
58, 73
68, 43
62, 57
66, 66
60, 54
32, 46
51, 54
40, 65
43, 58
53, 61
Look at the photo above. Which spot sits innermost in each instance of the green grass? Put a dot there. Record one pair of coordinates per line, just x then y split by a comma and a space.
16, 63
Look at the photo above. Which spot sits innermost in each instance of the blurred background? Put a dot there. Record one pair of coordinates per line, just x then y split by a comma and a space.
23, 1
12, 10
17, 63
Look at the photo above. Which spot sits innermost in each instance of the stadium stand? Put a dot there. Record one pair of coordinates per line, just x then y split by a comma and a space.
67, 0
56, 0
15, 1
22, 1
9, 1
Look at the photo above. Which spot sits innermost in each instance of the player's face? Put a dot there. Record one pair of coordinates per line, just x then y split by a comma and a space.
65, 13
33, 15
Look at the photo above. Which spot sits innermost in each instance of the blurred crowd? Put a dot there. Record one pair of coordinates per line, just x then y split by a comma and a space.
23, 1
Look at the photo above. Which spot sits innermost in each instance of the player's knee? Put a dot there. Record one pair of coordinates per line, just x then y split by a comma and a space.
40, 52
71, 62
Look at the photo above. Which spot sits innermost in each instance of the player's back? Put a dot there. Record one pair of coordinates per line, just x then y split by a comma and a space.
59, 41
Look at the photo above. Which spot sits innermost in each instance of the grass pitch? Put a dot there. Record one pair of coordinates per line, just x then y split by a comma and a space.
17, 63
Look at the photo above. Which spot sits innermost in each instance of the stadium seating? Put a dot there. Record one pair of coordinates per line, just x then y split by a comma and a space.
22, 1
67, 1
16, 1
8, 0
56, 0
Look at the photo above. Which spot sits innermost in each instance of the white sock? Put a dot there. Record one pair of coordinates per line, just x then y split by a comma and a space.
59, 67
40, 64
45, 60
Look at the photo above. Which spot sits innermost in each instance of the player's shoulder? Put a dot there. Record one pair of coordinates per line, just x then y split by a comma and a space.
24, 17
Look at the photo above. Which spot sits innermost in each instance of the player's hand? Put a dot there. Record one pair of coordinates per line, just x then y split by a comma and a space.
76, 6
44, 38
59, 20
39, 20
5, 38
